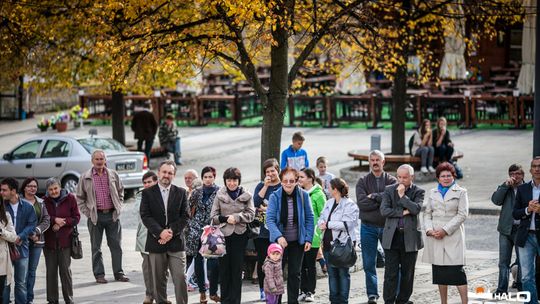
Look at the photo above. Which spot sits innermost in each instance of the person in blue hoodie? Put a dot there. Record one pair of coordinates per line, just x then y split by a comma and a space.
289, 219
294, 156
25, 221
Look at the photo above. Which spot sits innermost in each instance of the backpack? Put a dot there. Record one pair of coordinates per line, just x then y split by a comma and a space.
411, 143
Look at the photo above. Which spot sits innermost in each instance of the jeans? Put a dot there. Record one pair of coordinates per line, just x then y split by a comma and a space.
426, 154
174, 147
527, 260
113, 231
339, 283
33, 261
20, 268
506, 244
147, 146
369, 241
444, 153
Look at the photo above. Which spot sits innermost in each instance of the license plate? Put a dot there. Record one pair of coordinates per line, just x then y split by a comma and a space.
125, 166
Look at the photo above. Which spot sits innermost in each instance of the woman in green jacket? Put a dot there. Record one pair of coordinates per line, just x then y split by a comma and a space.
312, 184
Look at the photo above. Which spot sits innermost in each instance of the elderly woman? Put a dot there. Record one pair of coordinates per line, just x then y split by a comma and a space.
447, 207
261, 195
7, 234
339, 219
312, 184
289, 218
200, 203
64, 213
28, 190
232, 210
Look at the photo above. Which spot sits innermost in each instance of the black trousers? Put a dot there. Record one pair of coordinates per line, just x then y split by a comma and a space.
230, 268
444, 153
261, 246
294, 254
399, 267
308, 280
2, 285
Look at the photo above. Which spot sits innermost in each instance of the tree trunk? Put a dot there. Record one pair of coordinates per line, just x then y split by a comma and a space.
399, 98
276, 101
118, 110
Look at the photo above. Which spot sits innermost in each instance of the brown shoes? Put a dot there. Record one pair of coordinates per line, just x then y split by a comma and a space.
148, 300
215, 298
101, 280
203, 299
121, 278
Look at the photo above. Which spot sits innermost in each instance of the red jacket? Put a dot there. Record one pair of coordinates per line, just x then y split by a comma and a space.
67, 208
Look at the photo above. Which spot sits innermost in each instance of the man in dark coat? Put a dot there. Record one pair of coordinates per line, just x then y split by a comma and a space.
164, 211
402, 237
144, 126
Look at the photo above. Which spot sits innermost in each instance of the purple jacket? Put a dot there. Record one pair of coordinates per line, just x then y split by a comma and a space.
66, 208
273, 277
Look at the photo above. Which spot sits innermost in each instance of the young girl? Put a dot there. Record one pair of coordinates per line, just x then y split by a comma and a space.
273, 279
326, 177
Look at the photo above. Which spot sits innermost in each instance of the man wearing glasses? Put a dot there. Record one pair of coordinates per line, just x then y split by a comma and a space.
505, 196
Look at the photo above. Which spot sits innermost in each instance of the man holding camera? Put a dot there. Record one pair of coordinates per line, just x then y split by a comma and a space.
505, 196
527, 210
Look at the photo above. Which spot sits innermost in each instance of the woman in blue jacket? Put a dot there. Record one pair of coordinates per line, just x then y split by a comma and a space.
289, 218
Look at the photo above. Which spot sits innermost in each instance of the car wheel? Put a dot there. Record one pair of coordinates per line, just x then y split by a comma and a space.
70, 183
129, 193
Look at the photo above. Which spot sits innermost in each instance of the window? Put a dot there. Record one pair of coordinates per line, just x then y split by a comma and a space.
105, 144
55, 148
27, 151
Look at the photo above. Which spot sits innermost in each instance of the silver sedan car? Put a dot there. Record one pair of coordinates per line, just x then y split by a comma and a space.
67, 158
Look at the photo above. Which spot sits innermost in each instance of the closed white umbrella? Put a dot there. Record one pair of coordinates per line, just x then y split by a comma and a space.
525, 82
453, 63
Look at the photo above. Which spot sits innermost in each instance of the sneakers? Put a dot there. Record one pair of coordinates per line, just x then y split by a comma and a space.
424, 169
372, 300
309, 297
431, 169
302, 297
262, 295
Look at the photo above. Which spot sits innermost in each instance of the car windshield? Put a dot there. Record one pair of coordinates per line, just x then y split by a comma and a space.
105, 144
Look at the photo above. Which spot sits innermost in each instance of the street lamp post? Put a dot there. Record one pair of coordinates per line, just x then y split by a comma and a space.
536, 132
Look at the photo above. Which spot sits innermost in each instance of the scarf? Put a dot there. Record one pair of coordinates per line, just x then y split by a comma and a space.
443, 190
285, 208
235, 193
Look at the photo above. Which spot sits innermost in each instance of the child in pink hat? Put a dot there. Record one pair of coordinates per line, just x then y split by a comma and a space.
273, 280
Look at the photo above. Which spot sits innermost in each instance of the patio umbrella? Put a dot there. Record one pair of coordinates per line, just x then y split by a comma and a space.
453, 63
525, 82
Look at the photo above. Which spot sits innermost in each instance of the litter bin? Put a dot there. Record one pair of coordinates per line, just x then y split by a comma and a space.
375, 142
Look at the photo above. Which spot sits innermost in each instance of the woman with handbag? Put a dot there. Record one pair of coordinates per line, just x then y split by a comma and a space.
37, 238
7, 235
232, 210
200, 203
261, 195
289, 218
312, 184
339, 223
447, 208
64, 213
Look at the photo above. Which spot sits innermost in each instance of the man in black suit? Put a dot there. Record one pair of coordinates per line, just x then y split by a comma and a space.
164, 211
402, 237
527, 210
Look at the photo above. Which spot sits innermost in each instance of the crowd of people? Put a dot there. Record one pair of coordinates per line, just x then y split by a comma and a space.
296, 216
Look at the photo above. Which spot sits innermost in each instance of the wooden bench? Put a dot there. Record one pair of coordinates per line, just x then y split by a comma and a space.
398, 159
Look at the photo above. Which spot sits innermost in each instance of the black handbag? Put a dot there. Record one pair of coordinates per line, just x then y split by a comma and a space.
253, 229
342, 254
76, 245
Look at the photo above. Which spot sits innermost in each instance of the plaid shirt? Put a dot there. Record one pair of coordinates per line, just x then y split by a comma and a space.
101, 187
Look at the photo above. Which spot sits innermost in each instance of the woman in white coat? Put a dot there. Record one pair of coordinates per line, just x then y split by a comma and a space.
447, 207
7, 234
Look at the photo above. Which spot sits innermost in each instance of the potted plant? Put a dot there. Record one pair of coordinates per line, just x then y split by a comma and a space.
62, 120
78, 114
43, 124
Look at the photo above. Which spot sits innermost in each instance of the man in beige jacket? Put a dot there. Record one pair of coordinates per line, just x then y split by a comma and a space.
100, 195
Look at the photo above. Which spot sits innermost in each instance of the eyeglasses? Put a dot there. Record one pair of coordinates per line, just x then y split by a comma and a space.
445, 176
288, 181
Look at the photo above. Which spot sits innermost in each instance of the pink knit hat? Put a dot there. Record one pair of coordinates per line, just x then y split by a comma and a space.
273, 248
